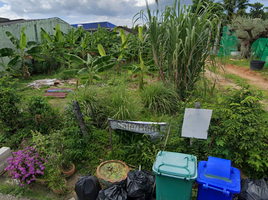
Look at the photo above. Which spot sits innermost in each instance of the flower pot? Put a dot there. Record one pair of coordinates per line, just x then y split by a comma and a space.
70, 172
257, 64
112, 172
60, 190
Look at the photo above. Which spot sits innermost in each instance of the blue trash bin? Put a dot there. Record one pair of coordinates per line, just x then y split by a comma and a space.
217, 180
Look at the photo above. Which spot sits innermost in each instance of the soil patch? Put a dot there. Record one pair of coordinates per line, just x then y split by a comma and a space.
255, 78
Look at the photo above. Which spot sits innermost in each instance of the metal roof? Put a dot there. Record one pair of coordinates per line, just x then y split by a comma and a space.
88, 26
4, 21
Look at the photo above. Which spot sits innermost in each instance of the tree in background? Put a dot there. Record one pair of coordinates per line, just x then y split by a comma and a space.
257, 10
248, 30
235, 8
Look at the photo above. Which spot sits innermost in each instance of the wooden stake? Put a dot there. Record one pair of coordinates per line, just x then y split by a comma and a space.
110, 133
80, 118
167, 137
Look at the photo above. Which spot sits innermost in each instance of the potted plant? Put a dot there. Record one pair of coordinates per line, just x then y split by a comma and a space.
54, 177
57, 182
67, 167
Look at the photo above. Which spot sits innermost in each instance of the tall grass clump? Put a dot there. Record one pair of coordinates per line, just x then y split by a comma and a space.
121, 103
90, 98
110, 102
181, 41
160, 98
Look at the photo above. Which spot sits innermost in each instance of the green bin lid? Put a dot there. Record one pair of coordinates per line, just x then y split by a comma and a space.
176, 165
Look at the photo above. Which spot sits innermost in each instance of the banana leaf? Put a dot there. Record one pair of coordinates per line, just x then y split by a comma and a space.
13, 39
34, 50
73, 58
37, 57
82, 71
96, 77
105, 67
13, 61
101, 50
31, 43
47, 36
101, 60
6, 52
136, 70
23, 39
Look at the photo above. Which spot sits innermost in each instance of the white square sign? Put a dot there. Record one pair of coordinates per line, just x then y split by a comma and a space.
196, 123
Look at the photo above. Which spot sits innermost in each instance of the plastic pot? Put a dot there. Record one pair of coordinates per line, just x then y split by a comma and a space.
257, 64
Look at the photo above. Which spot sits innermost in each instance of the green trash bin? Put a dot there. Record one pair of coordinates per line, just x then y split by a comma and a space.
175, 174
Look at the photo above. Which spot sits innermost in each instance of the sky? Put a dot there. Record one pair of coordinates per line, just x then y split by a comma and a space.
118, 12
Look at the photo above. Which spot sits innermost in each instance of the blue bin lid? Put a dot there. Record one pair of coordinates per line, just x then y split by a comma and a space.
218, 167
176, 165
218, 174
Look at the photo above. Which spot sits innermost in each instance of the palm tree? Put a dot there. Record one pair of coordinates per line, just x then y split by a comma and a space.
233, 7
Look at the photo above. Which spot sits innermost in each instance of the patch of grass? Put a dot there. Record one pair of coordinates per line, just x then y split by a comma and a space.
245, 63
237, 62
38, 192
236, 79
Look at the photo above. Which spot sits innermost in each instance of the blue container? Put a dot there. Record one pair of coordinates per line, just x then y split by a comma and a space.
217, 180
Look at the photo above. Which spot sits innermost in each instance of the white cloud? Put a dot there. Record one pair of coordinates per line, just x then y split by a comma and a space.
6, 12
119, 12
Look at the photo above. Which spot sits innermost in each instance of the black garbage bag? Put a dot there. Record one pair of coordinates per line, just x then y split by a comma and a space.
151, 178
114, 192
253, 190
87, 187
139, 185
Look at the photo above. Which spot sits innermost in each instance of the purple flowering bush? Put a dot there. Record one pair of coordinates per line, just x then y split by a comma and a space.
25, 164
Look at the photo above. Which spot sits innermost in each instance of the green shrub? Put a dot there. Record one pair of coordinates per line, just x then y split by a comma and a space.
135, 148
41, 116
9, 105
241, 135
160, 98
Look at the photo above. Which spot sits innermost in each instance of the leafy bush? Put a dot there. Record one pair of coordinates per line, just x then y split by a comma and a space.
160, 98
241, 135
135, 148
41, 116
9, 101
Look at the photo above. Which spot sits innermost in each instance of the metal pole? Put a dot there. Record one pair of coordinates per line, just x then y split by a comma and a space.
197, 106
110, 133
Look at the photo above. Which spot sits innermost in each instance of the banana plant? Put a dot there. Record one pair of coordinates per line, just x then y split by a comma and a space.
93, 64
23, 50
8, 68
142, 68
